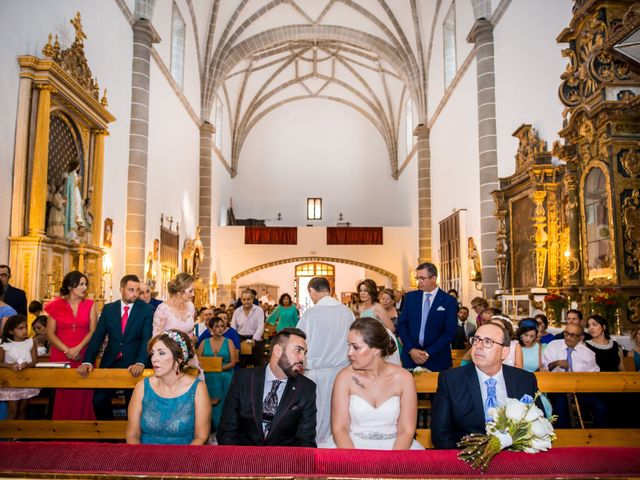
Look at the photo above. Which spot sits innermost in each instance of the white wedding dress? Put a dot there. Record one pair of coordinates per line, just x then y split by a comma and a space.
373, 428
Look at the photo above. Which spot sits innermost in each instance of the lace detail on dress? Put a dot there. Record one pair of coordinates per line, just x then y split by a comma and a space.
169, 421
165, 318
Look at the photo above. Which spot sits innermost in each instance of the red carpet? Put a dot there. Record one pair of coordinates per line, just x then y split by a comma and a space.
37, 458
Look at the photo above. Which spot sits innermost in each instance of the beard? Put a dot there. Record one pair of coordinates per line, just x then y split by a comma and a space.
289, 368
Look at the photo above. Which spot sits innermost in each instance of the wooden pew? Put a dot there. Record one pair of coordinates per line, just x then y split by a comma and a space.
425, 383
560, 382
69, 378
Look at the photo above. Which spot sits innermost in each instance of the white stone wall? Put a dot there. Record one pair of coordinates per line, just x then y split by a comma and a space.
397, 255
528, 65
316, 148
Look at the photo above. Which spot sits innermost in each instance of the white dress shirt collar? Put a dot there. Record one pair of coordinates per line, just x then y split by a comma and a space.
122, 304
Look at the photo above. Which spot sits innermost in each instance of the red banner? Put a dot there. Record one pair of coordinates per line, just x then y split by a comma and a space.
354, 235
270, 235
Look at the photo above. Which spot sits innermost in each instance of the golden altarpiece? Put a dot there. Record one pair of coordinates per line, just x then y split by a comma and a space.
56, 210
569, 219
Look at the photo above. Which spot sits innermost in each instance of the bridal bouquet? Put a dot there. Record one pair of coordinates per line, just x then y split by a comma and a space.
517, 425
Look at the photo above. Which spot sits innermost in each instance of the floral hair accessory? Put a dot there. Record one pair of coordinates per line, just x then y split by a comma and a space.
176, 337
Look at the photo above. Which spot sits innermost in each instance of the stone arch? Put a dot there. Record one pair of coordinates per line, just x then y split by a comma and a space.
382, 271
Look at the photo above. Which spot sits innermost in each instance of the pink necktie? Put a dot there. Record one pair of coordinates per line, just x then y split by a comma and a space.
125, 317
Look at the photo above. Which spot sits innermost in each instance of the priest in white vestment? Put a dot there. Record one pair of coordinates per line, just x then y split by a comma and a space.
327, 327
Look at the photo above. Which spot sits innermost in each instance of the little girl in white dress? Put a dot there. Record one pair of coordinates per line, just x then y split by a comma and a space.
17, 352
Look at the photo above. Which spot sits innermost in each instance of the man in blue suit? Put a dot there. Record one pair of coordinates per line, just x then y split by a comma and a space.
128, 323
428, 323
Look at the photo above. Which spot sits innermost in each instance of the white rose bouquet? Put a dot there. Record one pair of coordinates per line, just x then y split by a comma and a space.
517, 425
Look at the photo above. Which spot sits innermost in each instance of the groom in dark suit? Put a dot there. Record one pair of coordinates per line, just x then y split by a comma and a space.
128, 323
273, 405
428, 323
465, 394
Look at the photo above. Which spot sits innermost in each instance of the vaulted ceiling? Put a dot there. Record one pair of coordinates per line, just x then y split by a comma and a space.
370, 55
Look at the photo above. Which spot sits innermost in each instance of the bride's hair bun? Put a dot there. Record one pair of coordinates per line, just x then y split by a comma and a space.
375, 335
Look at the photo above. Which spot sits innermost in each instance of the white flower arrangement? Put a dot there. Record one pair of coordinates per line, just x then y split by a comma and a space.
518, 425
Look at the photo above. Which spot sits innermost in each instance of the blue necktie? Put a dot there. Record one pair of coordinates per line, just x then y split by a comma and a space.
569, 359
425, 313
492, 399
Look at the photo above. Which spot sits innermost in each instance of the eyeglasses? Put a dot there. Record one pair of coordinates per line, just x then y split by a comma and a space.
572, 335
486, 342
419, 277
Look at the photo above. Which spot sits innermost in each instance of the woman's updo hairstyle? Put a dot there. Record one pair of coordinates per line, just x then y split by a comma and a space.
180, 283
375, 335
179, 344
71, 280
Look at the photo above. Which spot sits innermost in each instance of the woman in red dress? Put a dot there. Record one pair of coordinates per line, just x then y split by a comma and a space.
72, 321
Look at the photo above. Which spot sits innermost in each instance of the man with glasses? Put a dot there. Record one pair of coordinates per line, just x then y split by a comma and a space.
575, 317
465, 394
571, 355
428, 323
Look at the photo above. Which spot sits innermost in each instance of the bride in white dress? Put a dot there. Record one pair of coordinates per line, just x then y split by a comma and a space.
374, 403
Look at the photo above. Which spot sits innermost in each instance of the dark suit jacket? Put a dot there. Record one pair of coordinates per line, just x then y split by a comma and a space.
132, 344
442, 323
16, 298
457, 407
294, 423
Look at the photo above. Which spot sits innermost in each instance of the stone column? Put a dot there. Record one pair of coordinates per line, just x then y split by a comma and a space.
204, 210
424, 193
482, 35
97, 182
39, 187
143, 37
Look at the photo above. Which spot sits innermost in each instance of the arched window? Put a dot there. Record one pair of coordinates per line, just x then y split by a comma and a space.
597, 225
178, 35
408, 120
218, 124
315, 270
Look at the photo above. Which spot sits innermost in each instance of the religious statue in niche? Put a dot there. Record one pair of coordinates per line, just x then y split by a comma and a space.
187, 256
108, 232
475, 266
150, 274
75, 223
198, 253
55, 221
88, 220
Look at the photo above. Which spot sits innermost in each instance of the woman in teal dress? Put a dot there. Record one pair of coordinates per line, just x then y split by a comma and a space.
171, 407
218, 382
285, 315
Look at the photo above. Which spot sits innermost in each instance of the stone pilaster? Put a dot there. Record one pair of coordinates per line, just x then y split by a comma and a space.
97, 184
39, 187
424, 193
204, 210
143, 37
482, 35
